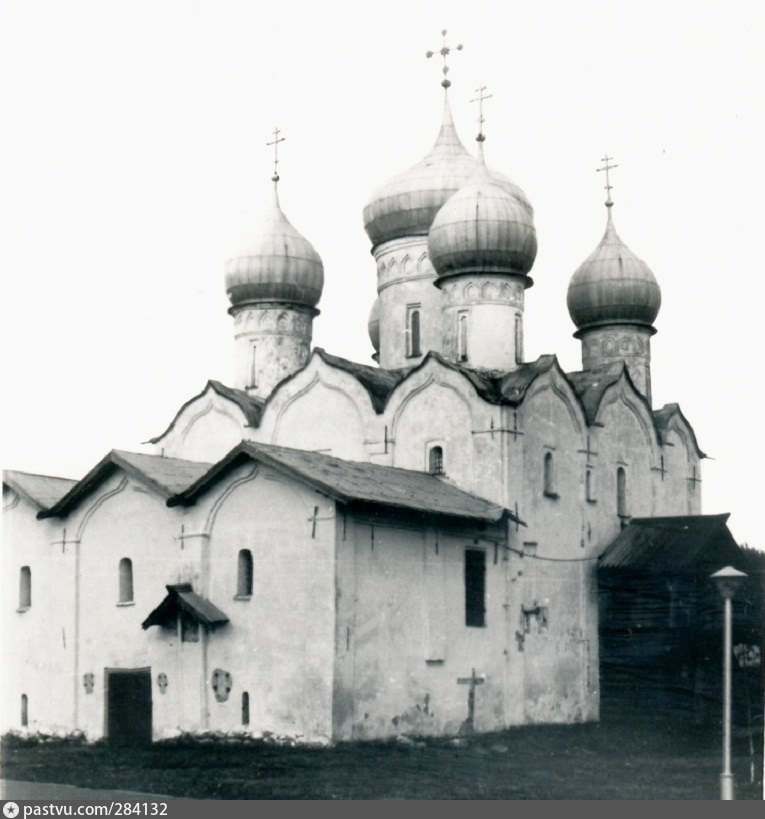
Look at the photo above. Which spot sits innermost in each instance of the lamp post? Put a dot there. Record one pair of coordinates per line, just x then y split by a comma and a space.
727, 581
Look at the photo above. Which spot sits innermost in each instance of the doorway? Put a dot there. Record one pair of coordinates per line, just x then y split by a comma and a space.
128, 706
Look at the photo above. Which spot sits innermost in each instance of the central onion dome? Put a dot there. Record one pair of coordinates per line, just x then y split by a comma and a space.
275, 263
486, 227
406, 205
613, 286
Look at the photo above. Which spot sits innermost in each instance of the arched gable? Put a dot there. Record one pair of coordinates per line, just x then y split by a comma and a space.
321, 408
553, 384
205, 428
623, 398
434, 404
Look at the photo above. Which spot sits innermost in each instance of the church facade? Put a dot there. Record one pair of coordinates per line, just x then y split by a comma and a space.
327, 550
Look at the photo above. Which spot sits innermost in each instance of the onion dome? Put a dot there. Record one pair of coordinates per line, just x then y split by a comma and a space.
406, 205
486, 227
613, 286
275, 263
373, 325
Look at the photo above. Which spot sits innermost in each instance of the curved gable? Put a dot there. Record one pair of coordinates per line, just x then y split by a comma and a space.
209, 424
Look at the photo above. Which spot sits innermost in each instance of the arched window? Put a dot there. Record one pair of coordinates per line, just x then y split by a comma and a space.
25, 587
462, 341
126, 580
244, 574
622, 507
245, 708
24, 711
548, 470
413, 332
436, 461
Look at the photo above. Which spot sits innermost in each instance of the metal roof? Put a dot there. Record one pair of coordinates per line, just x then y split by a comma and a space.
692, 543
43, 491
590, 385
182, 598
166, 476
354, 481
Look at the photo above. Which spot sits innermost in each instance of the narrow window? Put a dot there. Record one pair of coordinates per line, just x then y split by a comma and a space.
588, 486
245, 708
436, 461
621, 493
244, 574
518, 339
548, 470
254, 365
475, 587
126, 580
25, 587
462, 343
413, 346
24, 711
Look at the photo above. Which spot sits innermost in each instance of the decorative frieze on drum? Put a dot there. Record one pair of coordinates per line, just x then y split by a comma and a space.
482, 290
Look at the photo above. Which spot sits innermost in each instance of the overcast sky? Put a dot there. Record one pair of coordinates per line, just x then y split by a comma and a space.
133, 158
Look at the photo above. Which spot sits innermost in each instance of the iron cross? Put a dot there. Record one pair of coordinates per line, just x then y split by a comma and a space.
444, 51
275, 142
606, 167
480, 100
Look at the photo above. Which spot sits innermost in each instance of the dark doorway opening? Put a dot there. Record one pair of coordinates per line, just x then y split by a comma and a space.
128, 706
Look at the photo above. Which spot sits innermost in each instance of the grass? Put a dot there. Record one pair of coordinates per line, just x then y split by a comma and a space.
592, 761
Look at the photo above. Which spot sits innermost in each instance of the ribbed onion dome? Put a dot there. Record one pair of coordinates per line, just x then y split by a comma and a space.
613, 286
486, 227
373, 325
406, 205
275, 263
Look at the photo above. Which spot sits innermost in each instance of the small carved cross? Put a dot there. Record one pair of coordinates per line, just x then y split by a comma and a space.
589, 452
444, 51
694, 479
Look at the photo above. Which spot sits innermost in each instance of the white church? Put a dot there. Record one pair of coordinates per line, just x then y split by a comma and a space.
326, 550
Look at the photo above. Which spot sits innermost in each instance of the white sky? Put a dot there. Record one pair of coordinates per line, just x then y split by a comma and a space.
133, 158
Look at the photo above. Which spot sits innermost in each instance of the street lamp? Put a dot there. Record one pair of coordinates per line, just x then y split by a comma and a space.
727, 581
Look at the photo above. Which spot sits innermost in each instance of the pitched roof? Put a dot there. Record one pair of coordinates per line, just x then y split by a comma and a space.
692, 543
41, 490
354, 481
182, 598
251, 407
166, 476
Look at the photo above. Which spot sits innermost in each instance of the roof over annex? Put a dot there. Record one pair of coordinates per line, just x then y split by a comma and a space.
181, 598
689, 544
165, 476
42, 491
354, 482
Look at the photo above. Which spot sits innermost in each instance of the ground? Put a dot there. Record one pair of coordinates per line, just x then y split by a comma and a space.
627, 761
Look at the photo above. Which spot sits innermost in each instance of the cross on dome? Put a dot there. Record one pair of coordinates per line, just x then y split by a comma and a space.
444, 51
481, 138
275, 142
608, 186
